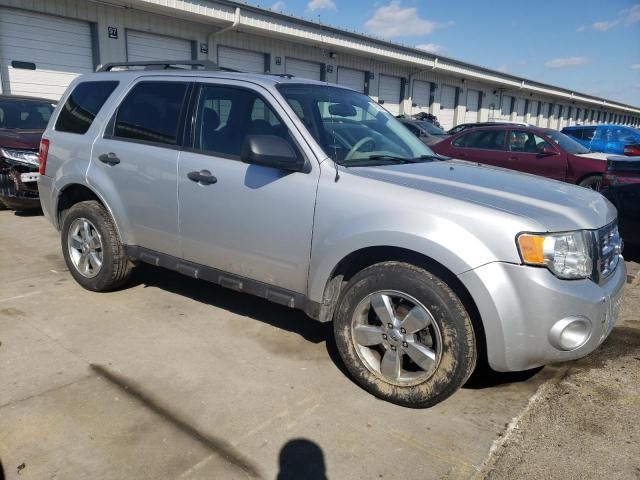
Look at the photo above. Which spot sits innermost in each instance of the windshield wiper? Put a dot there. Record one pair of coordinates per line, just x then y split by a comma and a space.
390, 158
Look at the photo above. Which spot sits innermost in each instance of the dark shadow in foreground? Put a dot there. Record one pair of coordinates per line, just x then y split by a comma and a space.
1, 471
301, 458
485, 377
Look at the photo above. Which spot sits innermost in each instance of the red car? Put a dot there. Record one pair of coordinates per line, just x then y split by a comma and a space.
539, 151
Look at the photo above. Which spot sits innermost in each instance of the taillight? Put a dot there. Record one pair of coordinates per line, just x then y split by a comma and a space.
42, 155
612, 179
632, 150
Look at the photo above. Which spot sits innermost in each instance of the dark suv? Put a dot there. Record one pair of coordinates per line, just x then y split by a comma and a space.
22, 121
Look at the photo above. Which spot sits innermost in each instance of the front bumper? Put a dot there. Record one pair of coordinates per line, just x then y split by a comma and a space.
519, 305
18, 190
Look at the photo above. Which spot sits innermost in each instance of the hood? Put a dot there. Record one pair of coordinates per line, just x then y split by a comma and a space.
596, 155
26, 139
548, 205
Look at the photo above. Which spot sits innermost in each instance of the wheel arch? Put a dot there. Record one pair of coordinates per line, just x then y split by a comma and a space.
77, 192
365, 257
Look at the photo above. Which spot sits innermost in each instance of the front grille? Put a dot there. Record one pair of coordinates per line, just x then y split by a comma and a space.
608, 247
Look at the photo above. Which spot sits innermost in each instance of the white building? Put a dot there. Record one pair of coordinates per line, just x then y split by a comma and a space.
46, 43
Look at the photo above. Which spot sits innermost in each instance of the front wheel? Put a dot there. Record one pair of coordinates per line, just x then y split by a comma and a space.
404, 335
594, 182
92, 249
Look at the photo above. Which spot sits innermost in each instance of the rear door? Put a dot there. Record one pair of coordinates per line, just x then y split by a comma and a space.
526, 155
483, 146
138, 156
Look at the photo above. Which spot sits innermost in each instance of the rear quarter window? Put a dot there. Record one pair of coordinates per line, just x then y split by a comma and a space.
83, 105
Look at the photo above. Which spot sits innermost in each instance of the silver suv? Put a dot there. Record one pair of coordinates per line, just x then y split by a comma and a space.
314, 197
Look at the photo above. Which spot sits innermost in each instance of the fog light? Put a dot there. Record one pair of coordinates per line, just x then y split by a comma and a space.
570, 333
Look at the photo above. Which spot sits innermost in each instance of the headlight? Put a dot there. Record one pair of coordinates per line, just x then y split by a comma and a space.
567, 254
27, 157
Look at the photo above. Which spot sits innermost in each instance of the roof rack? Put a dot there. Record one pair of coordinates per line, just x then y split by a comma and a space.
166, 65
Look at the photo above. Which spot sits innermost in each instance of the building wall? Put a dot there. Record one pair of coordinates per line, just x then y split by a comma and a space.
197, 30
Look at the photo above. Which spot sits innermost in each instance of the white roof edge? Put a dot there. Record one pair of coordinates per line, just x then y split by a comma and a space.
258, 20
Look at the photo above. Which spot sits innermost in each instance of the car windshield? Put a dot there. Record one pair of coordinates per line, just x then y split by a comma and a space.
566, 143
25, 114
431, 128
351, 128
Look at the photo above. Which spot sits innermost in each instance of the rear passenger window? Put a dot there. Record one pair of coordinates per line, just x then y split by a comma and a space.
151, 112
83, 105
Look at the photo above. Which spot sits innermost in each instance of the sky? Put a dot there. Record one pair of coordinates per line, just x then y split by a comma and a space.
590, 46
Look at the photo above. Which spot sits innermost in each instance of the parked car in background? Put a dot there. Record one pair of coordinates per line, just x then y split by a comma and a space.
621, 185
427, 132
315, 197
543, 152
466, 126
616, 139
22, 121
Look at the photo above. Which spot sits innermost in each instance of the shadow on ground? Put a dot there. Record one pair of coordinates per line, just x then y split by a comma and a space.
287, 319
301, 458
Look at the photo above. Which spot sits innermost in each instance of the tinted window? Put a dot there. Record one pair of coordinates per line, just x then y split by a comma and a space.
485, 140
415, 130
25, 114
225, 116
151, 112
83, 105
526, 142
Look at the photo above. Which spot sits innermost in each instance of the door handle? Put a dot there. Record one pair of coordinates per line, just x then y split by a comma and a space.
109, 158
203, 177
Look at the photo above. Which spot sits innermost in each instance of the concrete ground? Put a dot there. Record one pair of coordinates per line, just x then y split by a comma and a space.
584, 423
177, 378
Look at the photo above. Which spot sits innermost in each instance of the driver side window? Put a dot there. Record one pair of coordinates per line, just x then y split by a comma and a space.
225, 116
526, 142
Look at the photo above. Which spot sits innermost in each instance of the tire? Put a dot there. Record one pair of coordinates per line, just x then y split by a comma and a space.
593, 182
448, 335
115, 268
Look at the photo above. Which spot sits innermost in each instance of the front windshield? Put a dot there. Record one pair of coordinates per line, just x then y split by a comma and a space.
431, 128
25, 114
566, 143
351, 128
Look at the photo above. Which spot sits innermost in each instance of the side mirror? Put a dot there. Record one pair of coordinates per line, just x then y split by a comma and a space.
271, 151
548, 151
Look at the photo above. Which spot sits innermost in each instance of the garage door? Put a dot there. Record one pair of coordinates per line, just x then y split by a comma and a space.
421, 94
447, 106
241, 60
471, 114
59, 48
533, 112
142, 46
303, 68
520, 104
389, 91
351, 78
505, 108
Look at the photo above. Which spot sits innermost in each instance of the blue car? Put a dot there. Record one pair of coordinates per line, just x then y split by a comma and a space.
614, 139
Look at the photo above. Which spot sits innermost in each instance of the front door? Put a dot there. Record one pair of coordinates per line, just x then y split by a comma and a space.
527, 154
136, 162
248, 220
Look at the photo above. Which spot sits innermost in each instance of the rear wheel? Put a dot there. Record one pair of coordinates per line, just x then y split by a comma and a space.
92, 249
404, 335
594, 182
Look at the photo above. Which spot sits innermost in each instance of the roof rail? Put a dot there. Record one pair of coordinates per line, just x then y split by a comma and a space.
165, 65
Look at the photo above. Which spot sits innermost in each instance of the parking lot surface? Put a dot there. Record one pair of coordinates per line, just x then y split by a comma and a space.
177, 378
